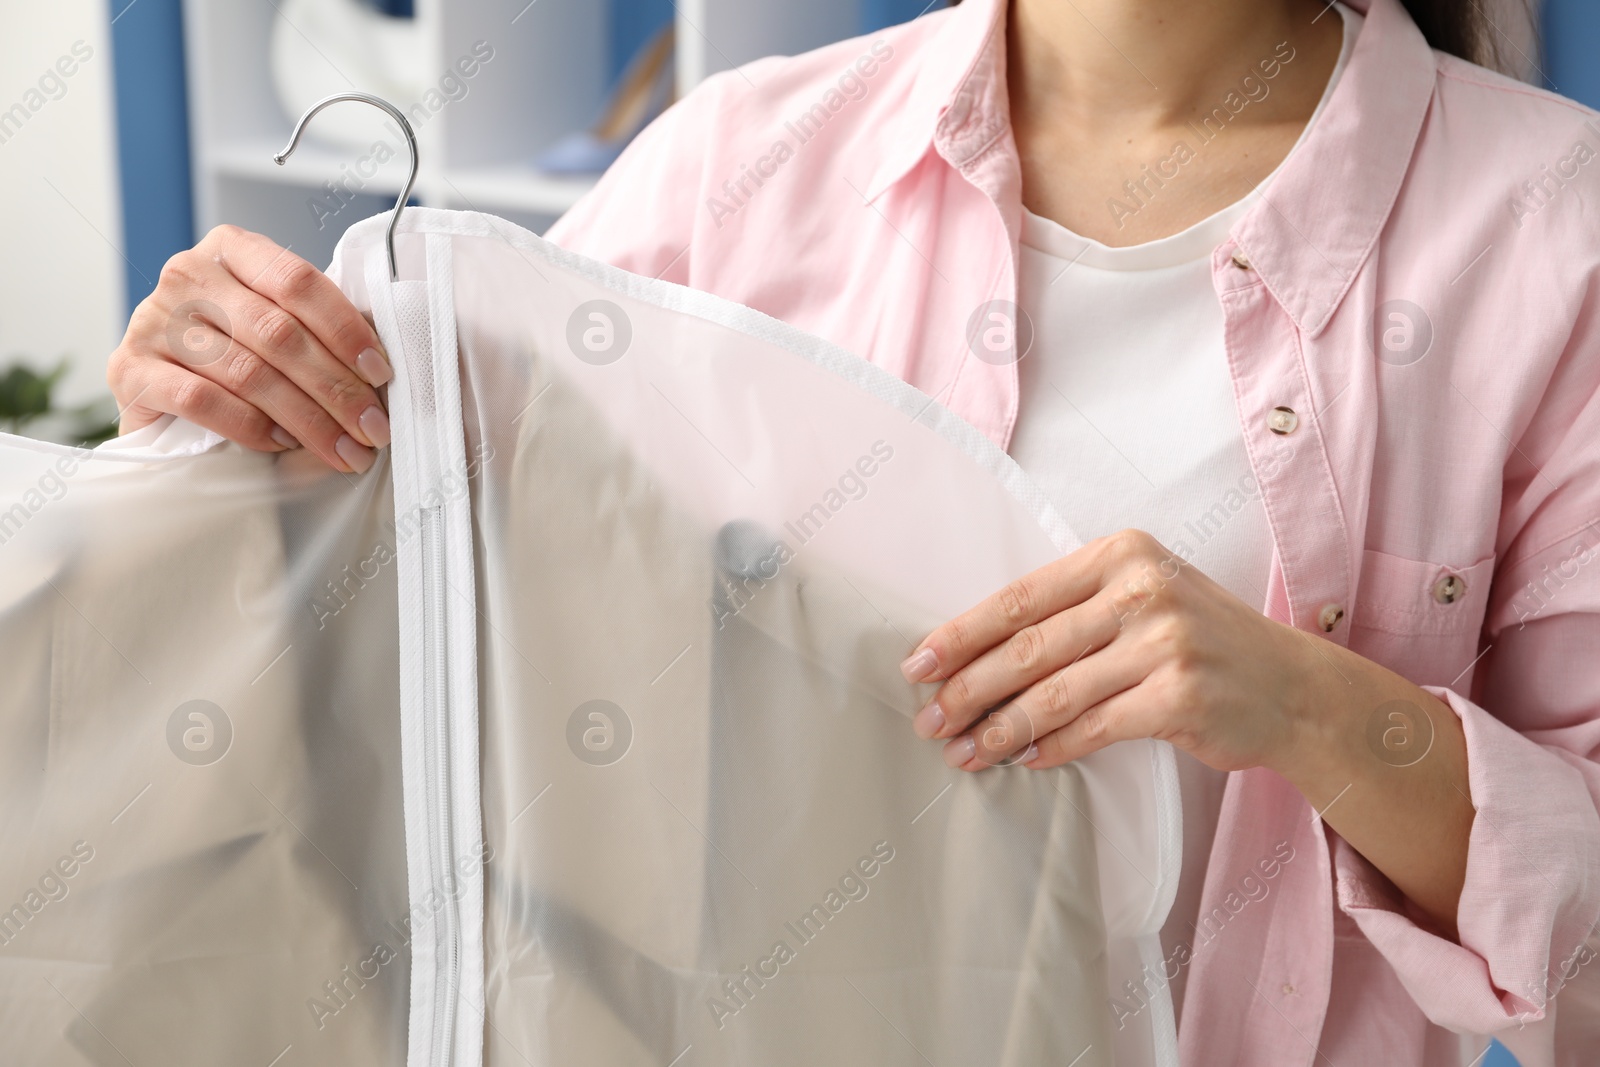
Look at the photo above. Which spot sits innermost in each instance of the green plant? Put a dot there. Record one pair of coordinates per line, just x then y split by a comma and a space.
27, 396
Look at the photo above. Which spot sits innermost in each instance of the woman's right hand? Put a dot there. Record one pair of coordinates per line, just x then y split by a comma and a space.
249, 340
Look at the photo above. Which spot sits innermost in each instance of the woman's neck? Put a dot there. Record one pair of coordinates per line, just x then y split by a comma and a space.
1101, 87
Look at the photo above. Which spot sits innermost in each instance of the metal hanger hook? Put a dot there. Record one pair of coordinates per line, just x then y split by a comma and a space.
411, 142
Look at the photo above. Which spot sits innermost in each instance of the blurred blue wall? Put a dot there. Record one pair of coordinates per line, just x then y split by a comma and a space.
1499, 1057
1572, 48
876, 14
634, 22
152, 138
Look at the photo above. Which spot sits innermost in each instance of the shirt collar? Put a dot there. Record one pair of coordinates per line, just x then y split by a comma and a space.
960, 82
1318, 220
1321, 216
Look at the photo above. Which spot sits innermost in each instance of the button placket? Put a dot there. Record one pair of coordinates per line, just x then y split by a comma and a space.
1264, 350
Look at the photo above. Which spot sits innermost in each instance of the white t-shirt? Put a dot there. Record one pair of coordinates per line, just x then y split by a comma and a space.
1127, 419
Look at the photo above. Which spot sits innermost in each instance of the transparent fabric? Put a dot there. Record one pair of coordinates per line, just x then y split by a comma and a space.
200, 803
573, 732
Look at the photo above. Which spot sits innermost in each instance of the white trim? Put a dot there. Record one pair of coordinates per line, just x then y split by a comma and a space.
868, 377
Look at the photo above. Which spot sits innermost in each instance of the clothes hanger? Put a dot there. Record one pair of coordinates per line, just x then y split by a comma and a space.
411, 141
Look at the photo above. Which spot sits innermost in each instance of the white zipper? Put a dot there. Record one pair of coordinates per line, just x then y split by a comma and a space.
436, 712
438, 658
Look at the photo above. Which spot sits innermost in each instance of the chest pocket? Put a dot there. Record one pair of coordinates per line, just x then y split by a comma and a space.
1421, 619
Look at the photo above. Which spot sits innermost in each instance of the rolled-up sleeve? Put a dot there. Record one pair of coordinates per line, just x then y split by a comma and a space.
1531, 901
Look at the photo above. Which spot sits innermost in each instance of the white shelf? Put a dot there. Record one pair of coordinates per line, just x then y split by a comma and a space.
513, 188
311, 165
546, 78
478, 188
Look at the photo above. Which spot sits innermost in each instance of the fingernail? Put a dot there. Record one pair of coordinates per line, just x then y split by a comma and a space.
920, 666
375, 424
371, 365
929, 721
284, 437
1030, 755
958, 753
358, 457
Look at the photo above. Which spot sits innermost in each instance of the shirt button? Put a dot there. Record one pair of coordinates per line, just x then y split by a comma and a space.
1449, 589
1329, 617
1283, 421
1241, 260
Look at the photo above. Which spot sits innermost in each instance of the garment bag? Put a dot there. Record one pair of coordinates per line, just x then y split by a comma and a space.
572, 732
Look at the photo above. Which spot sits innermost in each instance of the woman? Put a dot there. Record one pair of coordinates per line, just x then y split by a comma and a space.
1291, 313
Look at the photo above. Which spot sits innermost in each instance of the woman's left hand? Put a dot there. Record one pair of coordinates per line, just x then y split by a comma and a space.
1122, 640
1115, 641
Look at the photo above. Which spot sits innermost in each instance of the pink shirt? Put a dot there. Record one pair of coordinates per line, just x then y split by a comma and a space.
1415, 303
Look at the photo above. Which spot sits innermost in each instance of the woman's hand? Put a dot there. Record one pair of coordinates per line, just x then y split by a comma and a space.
1122, 640
249, 340
1116, 641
